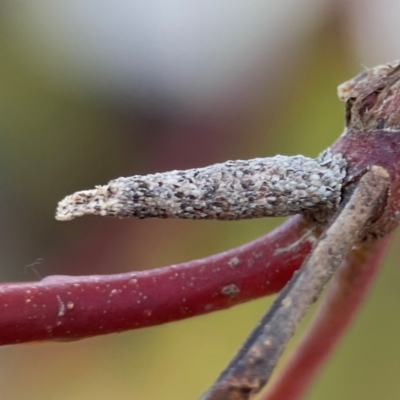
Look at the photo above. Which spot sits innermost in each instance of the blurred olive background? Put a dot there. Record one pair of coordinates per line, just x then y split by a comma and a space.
93, 90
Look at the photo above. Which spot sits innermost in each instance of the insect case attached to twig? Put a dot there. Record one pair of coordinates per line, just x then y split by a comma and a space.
351, 193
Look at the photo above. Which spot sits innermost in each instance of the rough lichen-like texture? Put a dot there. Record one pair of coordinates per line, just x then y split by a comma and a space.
373, 99
372, 134
276, 186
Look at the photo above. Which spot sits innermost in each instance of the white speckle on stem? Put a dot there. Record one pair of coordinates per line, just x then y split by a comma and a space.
61, 307
233, 262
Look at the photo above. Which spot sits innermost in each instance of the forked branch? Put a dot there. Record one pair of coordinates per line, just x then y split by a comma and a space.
253, 365
342, 299
354, 173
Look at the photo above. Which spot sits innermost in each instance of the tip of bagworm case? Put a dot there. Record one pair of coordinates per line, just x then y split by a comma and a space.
96, 202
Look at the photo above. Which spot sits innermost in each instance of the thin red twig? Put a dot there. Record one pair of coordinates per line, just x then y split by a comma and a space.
344, 296
75, 307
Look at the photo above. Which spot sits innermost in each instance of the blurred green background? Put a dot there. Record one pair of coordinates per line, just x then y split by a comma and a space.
94, 90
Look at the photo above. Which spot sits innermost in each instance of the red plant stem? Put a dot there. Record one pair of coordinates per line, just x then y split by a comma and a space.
363, 149
60, 307
345, 294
